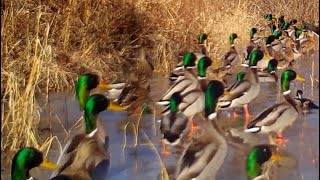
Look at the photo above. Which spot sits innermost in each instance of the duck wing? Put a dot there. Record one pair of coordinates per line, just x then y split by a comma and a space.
269, 116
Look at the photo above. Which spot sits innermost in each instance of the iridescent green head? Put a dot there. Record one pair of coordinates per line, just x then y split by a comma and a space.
273, 28
214, 90
272, 65
26, 159
189, 60
240, 75
255, 56
258, 155
277, 34
202, 37
203, 64
232, 37
268, 17
286, 26
252, 32
175, 101
297, 32
287, 77
94, 105
84, 85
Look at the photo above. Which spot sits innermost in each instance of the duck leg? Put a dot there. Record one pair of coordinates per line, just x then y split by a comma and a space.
164, 149
279, 139
193, 128
247, 115
234, 114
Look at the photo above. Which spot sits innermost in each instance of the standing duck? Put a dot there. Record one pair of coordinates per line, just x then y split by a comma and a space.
247, 90
231, 57
280, 115
205, 155
269, 75
251, 45
86, 156
26, 159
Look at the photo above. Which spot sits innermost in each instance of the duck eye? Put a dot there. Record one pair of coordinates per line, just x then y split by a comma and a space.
264, 150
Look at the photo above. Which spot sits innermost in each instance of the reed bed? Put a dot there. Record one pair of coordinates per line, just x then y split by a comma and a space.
46, 44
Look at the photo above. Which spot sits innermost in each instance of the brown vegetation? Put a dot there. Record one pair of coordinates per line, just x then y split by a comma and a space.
45, 44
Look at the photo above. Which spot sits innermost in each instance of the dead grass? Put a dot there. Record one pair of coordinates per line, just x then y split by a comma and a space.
46, 44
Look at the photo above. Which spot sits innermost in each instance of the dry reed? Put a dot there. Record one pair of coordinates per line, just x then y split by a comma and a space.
45, 44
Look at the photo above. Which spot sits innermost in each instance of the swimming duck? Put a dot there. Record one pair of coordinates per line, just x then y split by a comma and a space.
231, 57
304, 103
280, 115
86, 155
247, 90
270, 74
257, 159
26, 159
88, 82
204, 156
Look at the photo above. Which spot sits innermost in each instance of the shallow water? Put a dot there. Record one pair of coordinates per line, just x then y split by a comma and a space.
145, 160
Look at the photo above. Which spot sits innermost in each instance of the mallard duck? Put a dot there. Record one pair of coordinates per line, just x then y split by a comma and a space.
269, 75
231, 57
135, 92
191, 88
88, 82
239, 78
204, 156
280, 115
269, 47
304, 103
203, 51
251, 45
26, 159
257, 159
86, 155
174, 121
189, 81
188, 63
247, 90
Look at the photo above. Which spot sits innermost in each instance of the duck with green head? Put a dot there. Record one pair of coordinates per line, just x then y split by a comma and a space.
257, 159
247, 90
86, 155
269, 75
231, 57
202, 43
191, 88
188, 64
189, 81
26, 159
88, 82
252, 45
204, 156
279, 116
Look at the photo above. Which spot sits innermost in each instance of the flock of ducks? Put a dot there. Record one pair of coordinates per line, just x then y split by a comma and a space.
197, 89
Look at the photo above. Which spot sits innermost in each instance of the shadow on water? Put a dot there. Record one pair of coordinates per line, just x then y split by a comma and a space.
144, 160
